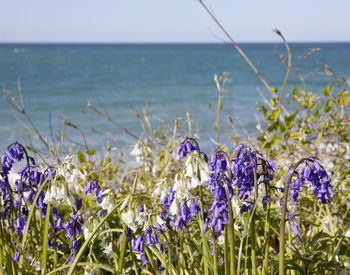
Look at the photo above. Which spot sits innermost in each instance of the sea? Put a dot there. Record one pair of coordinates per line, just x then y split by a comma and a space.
59, 80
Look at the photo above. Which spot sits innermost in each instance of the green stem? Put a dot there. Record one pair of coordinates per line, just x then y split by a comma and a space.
122, 253
283, 217
231, 219
85, 244
133, 259
153, 264
182, 257
226, 251
265, 270
253, 246
252, 228
46, 232
215, 256
232, 240
204, 240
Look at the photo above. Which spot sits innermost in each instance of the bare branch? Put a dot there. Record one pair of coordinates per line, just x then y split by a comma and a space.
235, 45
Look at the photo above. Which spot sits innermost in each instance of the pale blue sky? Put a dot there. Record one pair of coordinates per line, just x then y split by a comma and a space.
172, 20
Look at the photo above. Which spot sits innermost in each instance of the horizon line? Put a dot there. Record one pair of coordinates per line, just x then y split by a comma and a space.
162, 43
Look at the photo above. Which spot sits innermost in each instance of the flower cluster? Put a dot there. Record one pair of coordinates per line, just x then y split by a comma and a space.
315, 175
149, 235
187, 146
220, 186
73, 228
20, 188
244, 165
14, 152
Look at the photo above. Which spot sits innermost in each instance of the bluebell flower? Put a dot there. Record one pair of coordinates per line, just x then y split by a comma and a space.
74, 245
16, 256
187, 146
317, 176
13, 152
93, 186
183, 217
312, 174
218, 183
195, 209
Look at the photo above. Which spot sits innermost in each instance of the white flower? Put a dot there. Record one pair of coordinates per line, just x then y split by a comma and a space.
326, 224
57, 191
107, 202
182, 192
347, 234
124, 203
133, 218
137, 152
91, 270
12, 178
174, 208
107, 248
161, 189
140, 151
235, 205
89, 227
197, 170
221, 240
129, 218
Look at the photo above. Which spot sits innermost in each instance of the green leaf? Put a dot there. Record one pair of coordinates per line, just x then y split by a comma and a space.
275, 140
328, 105
91, 152
327, 89
274, 89
296, 135
305, 148
264, 111
272, 126
273, 101
295, 91
319, 138
81, 156
274, 113
345, 96
261, 138
289, 119
281, 127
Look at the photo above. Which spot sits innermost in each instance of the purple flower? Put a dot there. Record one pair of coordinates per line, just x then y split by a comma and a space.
320, 182
14, 152
88, 187
16, 256
71, 258
187, 146
194, 208
218, 163
218, 182
295, 229
74, 245
315, 175
183, 217
244, 208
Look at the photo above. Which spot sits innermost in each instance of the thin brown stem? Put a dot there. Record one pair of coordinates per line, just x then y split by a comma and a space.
235, 45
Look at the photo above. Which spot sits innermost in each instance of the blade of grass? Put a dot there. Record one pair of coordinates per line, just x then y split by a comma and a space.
85, 244
31, 212
101, 266
46, 231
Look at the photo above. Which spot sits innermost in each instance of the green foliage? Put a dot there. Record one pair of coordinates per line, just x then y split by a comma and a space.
308, 123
